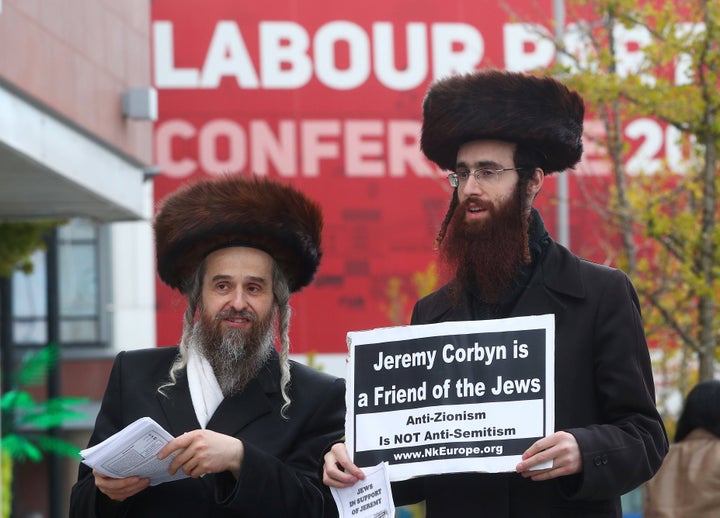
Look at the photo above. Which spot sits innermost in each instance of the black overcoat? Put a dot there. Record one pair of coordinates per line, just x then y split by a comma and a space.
604, 396
279, 474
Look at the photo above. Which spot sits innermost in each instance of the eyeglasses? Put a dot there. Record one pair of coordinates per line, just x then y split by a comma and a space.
483, 176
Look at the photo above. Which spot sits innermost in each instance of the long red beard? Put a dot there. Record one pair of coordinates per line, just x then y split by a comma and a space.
488, 254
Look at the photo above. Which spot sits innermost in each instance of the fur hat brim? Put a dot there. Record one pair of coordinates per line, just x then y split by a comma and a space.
203, 216
492, 104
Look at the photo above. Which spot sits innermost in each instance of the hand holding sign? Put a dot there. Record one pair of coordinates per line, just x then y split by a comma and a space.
560, 450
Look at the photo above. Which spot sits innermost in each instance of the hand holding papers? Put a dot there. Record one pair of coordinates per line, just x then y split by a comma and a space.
371, 497
133, 452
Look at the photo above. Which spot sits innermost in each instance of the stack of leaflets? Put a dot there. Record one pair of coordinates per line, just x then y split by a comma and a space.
133, 452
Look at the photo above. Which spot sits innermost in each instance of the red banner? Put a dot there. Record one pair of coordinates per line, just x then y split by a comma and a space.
326, 95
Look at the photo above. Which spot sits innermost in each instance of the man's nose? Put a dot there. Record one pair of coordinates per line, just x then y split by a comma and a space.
238, 301
473, 186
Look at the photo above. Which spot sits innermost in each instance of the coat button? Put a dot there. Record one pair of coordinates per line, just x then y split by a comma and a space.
597, 460
604, 459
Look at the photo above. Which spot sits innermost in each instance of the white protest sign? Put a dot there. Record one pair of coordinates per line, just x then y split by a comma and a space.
450, 397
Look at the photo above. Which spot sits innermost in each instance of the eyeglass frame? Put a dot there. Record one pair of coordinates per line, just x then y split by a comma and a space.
454, 178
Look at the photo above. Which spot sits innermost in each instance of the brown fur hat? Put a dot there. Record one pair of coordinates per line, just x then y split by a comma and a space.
493, 104
204, 216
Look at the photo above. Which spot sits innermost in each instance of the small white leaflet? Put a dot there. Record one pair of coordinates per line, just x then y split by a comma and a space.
369, 498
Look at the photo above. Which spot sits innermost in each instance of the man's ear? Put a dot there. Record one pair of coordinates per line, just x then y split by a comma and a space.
535, 183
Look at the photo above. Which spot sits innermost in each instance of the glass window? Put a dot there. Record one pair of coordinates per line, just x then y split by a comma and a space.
79, 283
29, 294
79, 290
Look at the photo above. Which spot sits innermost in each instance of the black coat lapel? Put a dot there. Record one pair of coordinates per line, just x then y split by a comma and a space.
233, 413
258, 398
238, 411
178, 409
437, 307
557, 276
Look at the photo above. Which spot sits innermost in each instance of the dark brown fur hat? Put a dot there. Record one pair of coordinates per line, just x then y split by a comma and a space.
493, 104
204, 216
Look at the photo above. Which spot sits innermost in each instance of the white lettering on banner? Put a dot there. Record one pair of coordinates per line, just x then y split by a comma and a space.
165, 133
683, 62
325, 47
652, 138
629, 45
362, 139
166, 74
653, 145
228, 57
527, 46
284, 62
286, 47
207, 139
384, 56
314, 149
289, 55
446, 60
630, 42
366, 148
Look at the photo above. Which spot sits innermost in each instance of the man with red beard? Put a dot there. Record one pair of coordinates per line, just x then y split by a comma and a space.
248, 439
500, 133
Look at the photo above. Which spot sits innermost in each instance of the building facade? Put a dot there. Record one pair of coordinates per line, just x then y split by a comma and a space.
76, 122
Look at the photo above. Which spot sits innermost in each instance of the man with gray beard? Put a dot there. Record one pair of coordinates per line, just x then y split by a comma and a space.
249, 439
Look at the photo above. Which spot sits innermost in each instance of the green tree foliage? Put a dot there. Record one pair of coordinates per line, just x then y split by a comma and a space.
26, 421
664, 212
399, 304
23, 433
18, 241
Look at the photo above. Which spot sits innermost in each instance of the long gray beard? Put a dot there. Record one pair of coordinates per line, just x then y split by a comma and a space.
235, 358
